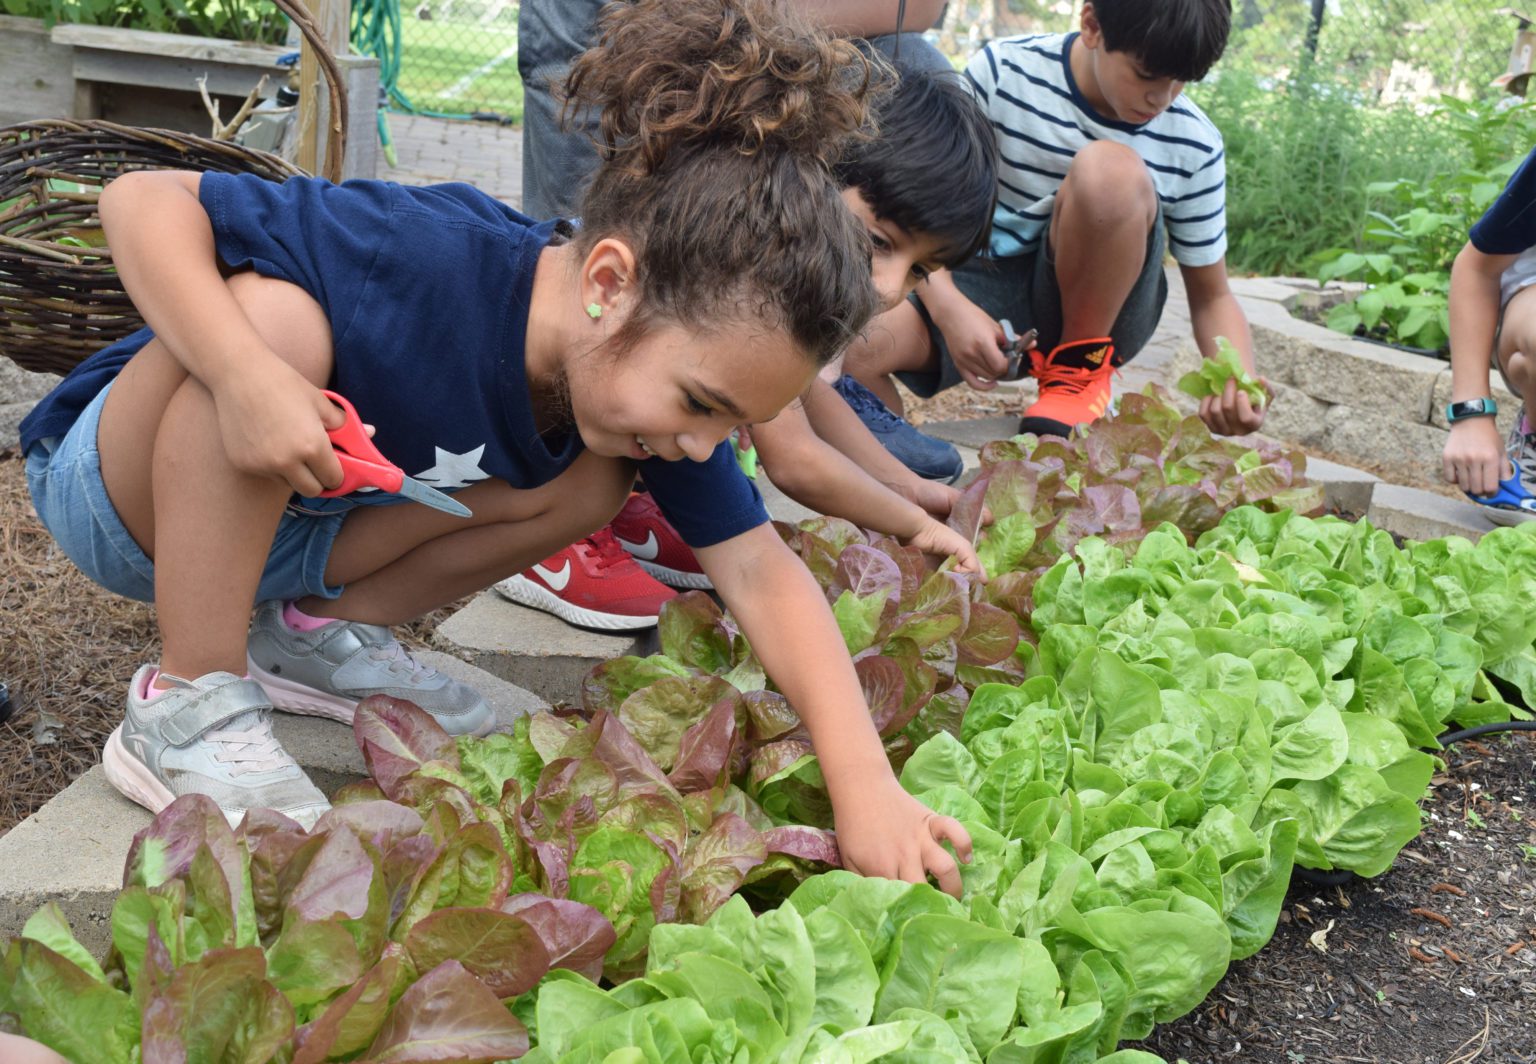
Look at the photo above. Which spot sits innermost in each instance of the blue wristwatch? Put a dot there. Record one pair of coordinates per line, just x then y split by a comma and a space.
1483, 407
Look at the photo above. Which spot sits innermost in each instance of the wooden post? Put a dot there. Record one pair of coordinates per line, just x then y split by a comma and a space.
334, 18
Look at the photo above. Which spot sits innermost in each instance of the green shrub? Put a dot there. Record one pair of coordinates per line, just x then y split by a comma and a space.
1405, 249
239, 20
1300, 156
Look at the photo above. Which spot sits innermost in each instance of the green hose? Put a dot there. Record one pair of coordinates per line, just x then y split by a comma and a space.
376, 32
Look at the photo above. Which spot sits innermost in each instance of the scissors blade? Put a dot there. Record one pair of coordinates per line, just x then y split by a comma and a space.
412, 488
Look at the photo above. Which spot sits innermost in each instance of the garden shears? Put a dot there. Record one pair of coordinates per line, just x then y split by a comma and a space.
1014, 347
1511, 502
363, 466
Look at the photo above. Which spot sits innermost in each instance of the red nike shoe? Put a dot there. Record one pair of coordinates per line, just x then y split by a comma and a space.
592, 584
654, 543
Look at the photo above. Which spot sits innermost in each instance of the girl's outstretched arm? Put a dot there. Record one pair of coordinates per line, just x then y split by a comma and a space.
881, 829
272, 420
818, 476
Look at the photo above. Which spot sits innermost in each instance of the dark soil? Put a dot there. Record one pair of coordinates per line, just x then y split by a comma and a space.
1433, 962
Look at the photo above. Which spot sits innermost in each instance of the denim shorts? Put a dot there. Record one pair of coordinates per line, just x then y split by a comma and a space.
1023, 289
64, 478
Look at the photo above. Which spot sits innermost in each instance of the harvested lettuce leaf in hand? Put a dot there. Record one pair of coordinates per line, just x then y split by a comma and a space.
1211, 378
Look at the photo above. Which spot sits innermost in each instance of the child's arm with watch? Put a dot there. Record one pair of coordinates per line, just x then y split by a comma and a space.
1475, 458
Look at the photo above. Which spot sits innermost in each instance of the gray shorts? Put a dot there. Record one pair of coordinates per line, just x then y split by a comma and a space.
1023, 289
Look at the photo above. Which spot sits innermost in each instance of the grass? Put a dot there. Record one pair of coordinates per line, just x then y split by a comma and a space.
460, 68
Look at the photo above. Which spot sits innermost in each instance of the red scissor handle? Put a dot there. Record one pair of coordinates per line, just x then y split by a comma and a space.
362, 466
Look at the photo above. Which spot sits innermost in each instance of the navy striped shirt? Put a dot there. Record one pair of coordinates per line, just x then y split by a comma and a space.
1042, 120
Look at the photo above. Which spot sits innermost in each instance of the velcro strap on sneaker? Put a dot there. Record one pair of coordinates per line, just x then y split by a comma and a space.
208, 709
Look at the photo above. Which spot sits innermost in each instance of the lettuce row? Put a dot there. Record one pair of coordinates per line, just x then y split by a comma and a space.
849, 970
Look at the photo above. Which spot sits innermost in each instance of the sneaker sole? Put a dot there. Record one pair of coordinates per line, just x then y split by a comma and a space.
297, 698
676, 577
307, 702
525, 592
132, 777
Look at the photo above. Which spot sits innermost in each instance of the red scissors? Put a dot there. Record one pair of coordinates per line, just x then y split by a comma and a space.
362, 466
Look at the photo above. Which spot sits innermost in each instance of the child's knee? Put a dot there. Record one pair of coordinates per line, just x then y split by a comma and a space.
1112, 176
289, 320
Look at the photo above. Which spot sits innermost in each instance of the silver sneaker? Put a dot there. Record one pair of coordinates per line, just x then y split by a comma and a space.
213, 736
1519, 506
328, 671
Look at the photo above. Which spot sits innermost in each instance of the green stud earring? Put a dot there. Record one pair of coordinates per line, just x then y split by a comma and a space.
594, 311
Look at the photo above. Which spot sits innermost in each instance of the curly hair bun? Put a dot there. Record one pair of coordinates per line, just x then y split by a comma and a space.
748, 75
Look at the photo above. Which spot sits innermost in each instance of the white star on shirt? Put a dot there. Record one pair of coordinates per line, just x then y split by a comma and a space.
454, 470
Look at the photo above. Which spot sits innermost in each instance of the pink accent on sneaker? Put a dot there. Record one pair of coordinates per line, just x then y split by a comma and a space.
149, 684
299, 621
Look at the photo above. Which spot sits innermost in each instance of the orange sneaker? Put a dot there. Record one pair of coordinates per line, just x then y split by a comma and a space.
1074, 386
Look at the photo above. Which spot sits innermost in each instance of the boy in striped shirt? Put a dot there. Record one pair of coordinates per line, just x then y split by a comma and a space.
1100, 155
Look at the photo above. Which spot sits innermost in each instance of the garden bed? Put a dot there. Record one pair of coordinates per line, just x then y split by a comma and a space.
1423, 965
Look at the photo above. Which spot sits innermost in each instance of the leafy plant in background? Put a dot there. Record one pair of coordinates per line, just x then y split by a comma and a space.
239, 20
1300, 150
1407, 248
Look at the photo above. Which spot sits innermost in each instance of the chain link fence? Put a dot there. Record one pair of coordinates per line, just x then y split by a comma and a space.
1395, 51
460, 56
444, 57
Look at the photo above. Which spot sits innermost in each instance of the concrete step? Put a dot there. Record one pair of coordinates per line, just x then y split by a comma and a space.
1416, 514
533, 649
71, 851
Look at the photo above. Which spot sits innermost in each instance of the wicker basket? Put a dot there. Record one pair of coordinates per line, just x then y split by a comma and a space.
60, 297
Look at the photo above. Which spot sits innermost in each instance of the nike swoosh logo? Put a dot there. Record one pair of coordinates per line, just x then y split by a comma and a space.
556, 580
647, 551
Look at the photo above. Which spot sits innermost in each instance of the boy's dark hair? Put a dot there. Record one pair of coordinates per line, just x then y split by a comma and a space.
1180, 39
933, 166
719, 123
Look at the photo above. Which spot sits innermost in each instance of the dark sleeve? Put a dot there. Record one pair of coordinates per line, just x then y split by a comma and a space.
1508, 227
707, 502
322, 237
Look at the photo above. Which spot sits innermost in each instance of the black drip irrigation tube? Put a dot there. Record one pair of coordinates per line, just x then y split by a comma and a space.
1338, 877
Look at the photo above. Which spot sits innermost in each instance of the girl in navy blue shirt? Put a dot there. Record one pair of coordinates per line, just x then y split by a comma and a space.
524, 368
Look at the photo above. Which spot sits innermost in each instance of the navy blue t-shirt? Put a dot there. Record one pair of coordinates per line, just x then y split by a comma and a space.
427, 293
1508, 226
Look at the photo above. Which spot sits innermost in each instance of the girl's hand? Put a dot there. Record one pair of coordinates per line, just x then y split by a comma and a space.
884, 831
274, 424
975, 343
935, 538
1475, 459
1232, 413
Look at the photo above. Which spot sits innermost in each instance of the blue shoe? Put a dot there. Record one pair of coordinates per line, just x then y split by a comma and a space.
929, 458
1515, 499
